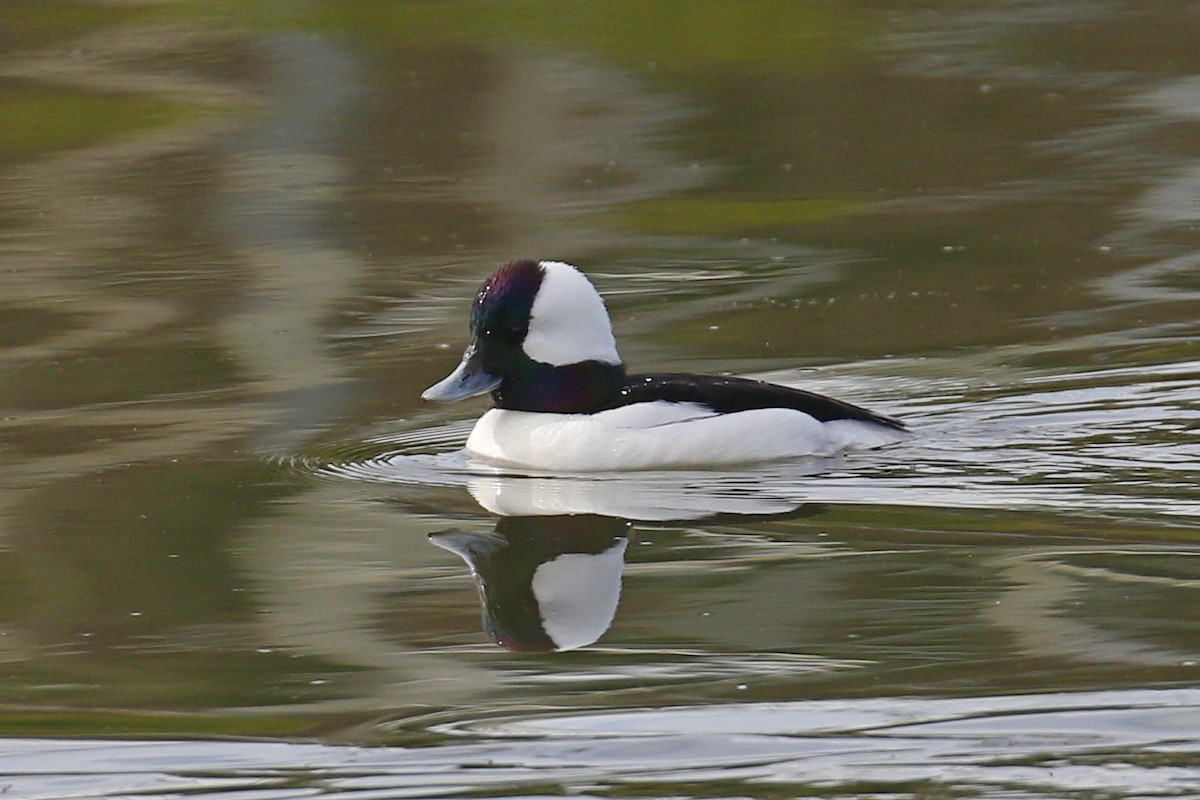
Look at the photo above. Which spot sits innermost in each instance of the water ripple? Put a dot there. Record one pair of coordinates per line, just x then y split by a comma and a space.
1114, 441
1132, 743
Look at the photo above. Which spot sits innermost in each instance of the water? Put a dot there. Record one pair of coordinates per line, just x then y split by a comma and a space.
898, 748
240, 557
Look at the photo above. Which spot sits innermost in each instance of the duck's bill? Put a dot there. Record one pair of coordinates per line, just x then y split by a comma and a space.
467, 380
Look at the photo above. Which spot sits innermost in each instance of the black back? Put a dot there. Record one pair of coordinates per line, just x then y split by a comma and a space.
728, 395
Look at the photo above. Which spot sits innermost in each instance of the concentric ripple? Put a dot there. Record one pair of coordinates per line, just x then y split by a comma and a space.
1117, 441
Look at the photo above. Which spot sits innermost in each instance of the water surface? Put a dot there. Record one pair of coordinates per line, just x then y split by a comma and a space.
239, 556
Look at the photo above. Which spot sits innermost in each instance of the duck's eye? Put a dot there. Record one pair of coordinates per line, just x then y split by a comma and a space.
513, 333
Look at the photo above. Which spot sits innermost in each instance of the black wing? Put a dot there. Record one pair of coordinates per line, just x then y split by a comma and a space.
729, 395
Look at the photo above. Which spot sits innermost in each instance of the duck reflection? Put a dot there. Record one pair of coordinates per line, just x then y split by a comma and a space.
549, 576
545, 582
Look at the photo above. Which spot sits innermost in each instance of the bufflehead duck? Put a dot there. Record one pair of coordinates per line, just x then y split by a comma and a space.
543, 346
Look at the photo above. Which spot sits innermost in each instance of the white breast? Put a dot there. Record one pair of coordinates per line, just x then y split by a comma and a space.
660, 435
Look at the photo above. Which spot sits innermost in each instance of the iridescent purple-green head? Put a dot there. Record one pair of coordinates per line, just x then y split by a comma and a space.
541, 340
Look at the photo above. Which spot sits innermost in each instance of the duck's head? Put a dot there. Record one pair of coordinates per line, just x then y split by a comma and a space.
541, 340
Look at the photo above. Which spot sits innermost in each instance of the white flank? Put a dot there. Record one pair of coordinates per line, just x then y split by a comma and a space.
660, 435
568, 322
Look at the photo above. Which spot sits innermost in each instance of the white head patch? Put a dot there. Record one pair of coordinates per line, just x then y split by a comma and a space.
568, 322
